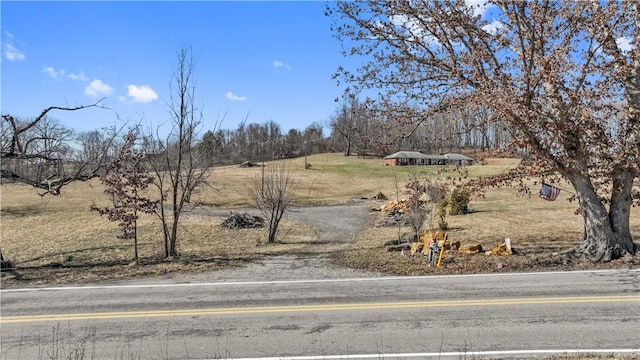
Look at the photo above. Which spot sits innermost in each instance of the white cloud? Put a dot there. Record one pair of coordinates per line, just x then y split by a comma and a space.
52, 72
79, 76
142, 94
9, 50
97, 88
413, 29
231, 96
479, 7
493, 27
13, 54
624, 44
279, 64
408, 24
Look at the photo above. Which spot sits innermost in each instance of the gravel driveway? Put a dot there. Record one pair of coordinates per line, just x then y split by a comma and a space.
338, 226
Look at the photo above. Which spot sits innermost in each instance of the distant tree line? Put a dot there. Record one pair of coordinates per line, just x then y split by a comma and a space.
378, 129
44, 153
262, 142
359, 128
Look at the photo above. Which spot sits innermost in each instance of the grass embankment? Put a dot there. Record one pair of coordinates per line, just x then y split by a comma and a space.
59, 240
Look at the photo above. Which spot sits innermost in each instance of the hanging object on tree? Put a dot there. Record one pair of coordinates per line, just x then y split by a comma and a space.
549, 192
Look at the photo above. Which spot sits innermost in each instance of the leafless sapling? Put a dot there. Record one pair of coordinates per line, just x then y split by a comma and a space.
273, 193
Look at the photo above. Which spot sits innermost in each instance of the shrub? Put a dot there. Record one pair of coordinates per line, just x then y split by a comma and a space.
441, 212
459, 201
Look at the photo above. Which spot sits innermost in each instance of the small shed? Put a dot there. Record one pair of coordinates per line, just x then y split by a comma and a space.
406, 158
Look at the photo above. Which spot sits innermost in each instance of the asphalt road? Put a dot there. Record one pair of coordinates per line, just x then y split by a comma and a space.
485, 316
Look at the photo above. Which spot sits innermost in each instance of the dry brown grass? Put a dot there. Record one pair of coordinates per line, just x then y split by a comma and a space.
59, 240
56, 240
541, 232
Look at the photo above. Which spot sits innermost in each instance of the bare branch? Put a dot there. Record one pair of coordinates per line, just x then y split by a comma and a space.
40, 153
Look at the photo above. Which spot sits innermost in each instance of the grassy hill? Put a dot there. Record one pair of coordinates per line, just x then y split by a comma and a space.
332, 179
58, 239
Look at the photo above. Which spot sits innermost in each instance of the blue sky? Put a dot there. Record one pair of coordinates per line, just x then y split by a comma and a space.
265, 60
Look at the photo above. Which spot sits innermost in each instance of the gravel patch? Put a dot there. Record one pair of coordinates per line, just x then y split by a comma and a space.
337, 225
278, 268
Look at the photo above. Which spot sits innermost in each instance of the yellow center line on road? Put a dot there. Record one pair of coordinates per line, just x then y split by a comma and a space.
311, 308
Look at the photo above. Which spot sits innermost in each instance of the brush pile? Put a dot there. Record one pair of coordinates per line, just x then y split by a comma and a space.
394, 207
243, 221
394, 211
380, 196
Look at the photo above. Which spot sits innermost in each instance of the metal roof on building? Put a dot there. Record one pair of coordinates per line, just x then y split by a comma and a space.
406, 155
452, 156
419, 155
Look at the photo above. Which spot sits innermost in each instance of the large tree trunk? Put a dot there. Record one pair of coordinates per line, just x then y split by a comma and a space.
620, 210
606, 234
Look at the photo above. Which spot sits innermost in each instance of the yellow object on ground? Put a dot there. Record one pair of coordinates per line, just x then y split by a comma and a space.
500, 249
470, 249
441, 254
416, 247
439, 236
426, 239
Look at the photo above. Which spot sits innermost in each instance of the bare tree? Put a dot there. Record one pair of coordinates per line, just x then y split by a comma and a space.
417, 211
273, 194
125, 180
97, 146
179, 166
292, 142
345, 122
38, 152
558, 73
